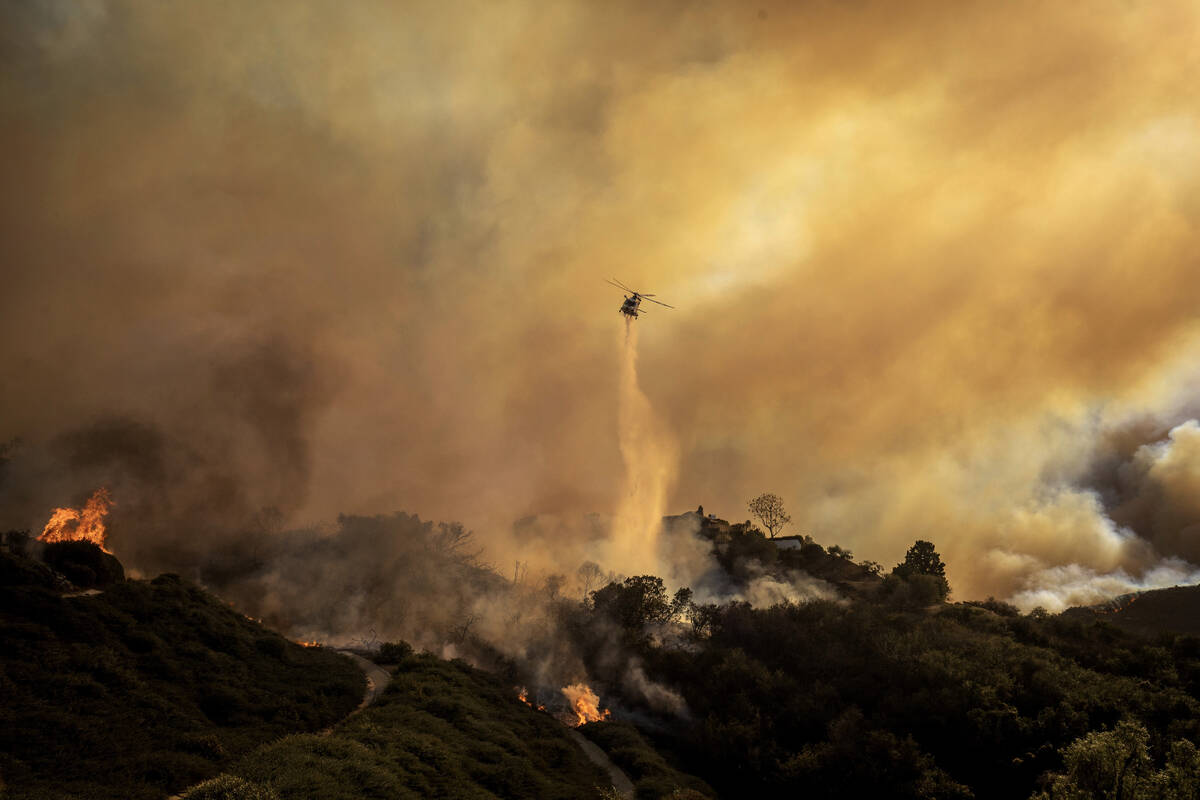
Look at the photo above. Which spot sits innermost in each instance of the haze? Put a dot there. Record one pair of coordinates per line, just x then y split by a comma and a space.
935, 269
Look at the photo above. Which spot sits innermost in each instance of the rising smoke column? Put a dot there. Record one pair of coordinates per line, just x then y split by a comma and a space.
651, 458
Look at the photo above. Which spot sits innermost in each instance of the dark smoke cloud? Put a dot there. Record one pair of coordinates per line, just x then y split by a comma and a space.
228, 463
1157, 492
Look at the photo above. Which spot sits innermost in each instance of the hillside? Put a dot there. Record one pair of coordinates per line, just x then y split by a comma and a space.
887, 691
148, 687
744, 554
145, 688
868, 685
1160, 611
441, 730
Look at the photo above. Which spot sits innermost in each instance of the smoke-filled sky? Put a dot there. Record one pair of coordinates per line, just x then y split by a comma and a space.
935, 267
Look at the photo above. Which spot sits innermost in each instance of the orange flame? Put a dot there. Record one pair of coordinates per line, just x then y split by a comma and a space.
309, 644
85, 524
523, 696
585, 704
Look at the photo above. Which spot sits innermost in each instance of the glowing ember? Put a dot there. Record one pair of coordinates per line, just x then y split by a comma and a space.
585, 704
523, 696
85, 524
309, 644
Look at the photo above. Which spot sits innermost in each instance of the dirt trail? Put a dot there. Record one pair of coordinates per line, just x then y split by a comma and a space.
377, 679
81, 593
620, 780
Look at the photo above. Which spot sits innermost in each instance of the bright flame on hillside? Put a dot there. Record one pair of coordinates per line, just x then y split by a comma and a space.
585, 704
523, 696
85, 524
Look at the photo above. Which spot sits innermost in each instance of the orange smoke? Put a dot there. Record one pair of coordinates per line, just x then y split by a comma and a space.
585, 705
85, 524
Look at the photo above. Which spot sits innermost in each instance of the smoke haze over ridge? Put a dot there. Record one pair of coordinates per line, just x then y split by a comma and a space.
935, 271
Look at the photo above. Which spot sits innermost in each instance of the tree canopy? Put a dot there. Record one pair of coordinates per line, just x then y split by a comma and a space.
768, 510
921, 576
922, 558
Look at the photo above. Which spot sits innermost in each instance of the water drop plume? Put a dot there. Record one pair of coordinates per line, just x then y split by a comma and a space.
651, 458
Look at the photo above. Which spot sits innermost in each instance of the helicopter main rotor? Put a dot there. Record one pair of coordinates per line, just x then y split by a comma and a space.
637, 296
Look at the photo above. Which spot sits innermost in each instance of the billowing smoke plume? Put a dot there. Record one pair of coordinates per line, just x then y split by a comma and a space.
1143, 506
270, 262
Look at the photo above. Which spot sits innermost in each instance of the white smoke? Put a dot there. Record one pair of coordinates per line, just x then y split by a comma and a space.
655, 695
768, 590
1058, 588
1140, 534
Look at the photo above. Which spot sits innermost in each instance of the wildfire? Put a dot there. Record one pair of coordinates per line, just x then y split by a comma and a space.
585, 704
309, 644
523, 696
85, 524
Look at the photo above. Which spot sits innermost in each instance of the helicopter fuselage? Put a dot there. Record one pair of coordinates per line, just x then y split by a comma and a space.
633, 301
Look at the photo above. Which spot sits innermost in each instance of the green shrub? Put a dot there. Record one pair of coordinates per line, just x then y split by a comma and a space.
442, 729
394, 652
84, 564
146, 688
652, 776
229, 787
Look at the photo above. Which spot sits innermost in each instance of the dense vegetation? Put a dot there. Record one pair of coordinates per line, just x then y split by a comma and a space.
885, 690
145, 688
442, 729
652, 776
898, 695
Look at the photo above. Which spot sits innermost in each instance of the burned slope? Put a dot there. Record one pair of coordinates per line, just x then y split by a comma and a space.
142, 689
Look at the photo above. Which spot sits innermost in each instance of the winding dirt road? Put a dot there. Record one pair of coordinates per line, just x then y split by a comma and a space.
377, 679
620, 781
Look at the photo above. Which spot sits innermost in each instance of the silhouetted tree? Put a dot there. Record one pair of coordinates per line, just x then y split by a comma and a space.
681, 604
634, 603
768, 510
923, 558
924, 573
837, 550
589, 575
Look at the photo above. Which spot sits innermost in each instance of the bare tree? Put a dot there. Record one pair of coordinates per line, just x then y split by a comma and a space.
459, 633
589, 575
452, 540
768, 510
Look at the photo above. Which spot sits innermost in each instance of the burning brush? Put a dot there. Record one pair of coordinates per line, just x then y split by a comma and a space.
585, 705
85, 524
582, 706
523, 696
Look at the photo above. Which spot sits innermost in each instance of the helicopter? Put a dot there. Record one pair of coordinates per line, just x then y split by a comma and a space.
633, 301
